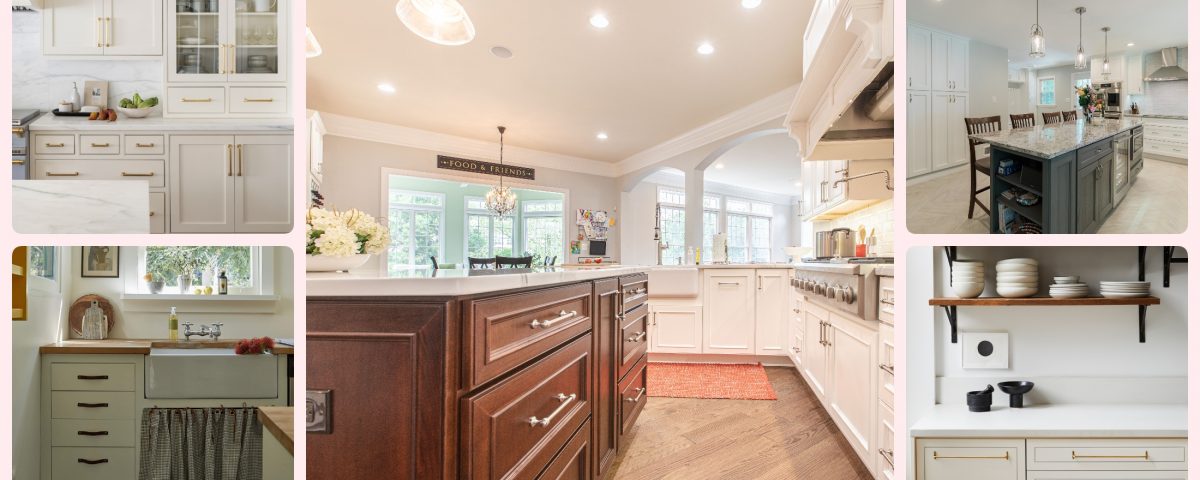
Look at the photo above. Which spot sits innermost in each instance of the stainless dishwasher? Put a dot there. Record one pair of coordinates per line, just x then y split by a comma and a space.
1121, 164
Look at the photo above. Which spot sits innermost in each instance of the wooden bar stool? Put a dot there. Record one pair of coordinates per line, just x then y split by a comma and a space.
984, 163
1070, 116
1051, 118
1022, 120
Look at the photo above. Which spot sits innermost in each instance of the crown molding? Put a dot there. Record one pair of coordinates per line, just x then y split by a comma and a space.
372, 131
750, 116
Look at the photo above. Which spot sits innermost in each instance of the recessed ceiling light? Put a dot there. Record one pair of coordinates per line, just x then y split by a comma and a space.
751, 3
601, 136
387, 88
705, 49
719, 166
797, 184
501, 52
599, 20
1130, 44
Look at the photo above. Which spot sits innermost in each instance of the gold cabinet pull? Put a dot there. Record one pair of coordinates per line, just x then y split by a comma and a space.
18, 131
196, 100
99, 32
241, 164
52, 174
229, 158
258, 100
233, 58
108, 32
969, 457
55, 145
100, 145
127, 174
545, 422
144, 145
1144, 456
18, 162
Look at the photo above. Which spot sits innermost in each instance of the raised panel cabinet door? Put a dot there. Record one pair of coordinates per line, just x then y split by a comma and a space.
73, 27
1085, 198
729, 312
957, 64
264, 183
606, 323
941, 131
202, 184
816, 355
676, 329
1104, 188
940, 62
133, 27
771, 312
852, 381
920, 47
920, 112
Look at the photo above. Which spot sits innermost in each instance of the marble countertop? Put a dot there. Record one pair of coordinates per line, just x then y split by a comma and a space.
113, 346
49, 122
81, 206
278, 421
886, 271
451, 282
1055, 421
1047, 142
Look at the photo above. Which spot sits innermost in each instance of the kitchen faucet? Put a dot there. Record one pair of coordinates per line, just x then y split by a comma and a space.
213, 331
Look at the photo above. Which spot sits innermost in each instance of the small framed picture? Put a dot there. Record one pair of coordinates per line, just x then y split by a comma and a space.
95, 93
102, 262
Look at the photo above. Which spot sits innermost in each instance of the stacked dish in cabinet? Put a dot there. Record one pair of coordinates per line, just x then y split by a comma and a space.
1124, 289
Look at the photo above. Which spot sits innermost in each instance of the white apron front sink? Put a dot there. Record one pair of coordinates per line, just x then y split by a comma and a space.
210, 373
674, 282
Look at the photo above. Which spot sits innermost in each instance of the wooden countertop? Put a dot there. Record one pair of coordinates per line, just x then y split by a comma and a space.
138, 346
278, 421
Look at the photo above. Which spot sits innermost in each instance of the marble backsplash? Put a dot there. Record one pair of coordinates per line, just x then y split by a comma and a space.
40, 82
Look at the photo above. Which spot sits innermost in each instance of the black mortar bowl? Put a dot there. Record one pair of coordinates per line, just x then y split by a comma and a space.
981, 400
1016, 392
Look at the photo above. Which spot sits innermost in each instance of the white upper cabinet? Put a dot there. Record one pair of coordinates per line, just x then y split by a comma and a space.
227, 41
1135, 83
102, 27
948, 59
920, 48
1116, 70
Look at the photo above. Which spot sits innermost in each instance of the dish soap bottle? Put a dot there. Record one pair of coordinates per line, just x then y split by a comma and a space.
173, 325
222, 284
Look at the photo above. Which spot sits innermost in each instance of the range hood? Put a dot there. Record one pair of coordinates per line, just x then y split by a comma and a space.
864, 130
1170, 70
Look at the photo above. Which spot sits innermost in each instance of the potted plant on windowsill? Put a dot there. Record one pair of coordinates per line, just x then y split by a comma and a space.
340, 241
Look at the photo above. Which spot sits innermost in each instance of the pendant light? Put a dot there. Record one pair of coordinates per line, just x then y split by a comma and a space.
1080, 58
1037, 39
501, 200
1106, 72
444, 22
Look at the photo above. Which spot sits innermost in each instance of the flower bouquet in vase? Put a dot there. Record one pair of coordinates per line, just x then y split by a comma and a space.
340, 241
1091, 101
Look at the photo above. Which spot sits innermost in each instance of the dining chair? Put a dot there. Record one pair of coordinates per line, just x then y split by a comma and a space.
514, 262
476, 263
1051, 118
1070, 116
981, 163
1022, 120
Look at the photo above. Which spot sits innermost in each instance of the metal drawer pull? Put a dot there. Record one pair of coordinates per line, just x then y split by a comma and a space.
101, 433
258, 100
545, 422
127, 174
93, 462
151, 214
562, 315
18, 131
241, 163
100, 145
52, 174
56, 145
889, 456
92, 405
91, 377
970, 457
636, 338
144, 145
1144, 456
638, 398
888, 368
196, 100
18, 162
229, 155
888, 302
728, 283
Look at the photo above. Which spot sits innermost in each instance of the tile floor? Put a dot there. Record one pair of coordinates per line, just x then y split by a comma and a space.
1157, 203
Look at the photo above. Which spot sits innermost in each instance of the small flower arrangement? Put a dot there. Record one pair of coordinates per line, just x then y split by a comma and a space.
254, 346
341, 234
1090, 99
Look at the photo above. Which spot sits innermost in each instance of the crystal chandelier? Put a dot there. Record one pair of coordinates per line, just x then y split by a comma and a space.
1037, 39
1080, 58
501, 200
444, 22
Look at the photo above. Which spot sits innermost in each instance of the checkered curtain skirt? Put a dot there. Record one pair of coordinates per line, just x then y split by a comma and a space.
201, 444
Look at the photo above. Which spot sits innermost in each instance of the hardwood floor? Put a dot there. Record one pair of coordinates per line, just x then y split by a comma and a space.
790, 438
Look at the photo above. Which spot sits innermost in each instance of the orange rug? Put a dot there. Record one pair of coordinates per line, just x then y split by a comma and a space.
708, 380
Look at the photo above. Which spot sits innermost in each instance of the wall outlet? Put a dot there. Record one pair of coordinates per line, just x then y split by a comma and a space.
984, 350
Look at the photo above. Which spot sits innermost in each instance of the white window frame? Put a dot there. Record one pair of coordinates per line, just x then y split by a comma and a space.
664, 205
468, 212
262, 297
387, 218
1053, 92
750, 215
39, 286
525, 215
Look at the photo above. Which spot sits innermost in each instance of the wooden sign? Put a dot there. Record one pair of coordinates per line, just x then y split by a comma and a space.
487, 168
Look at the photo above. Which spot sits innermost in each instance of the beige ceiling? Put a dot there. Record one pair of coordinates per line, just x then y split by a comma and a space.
768, 164
640, 80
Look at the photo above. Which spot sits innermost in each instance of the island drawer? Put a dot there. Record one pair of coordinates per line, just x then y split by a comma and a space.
575, 459
100, 144
632, 401
92, 405
634, 290
514, 428
1107, 454
54, 145
510, 330
1095, 151
633, 338
93, 433
97, 377
74, 463
152, 171
145, 145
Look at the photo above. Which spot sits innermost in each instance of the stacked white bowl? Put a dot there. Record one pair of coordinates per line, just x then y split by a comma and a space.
1017, 277
1068, 286
966, 277
1125, 289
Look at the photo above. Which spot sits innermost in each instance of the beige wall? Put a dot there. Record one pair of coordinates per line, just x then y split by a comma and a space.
989, 80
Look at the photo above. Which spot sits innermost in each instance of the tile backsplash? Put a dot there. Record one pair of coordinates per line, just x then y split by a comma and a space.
878, 216
41, 81
1163, 98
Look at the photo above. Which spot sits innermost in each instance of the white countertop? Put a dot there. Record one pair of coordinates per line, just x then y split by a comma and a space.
81, 206
423, 281
706, 266
49, 122
1055, 421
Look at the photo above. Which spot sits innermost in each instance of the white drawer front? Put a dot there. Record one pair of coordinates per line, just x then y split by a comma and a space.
1107, 454
152, 171
92, 405
887, 365
1068, 475
196, 100
887, 300
54, 144
885, 451
101, 377
93, 433
74, 463
158, 212
1167, 134
145, 145
258, 99
100, 144
1166, 149
960, 459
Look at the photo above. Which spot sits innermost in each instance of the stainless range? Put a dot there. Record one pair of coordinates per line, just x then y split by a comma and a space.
844, 287
20, 142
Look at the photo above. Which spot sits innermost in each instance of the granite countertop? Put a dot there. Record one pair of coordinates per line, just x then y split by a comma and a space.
49, 122
81, 206
1155, 115
1047, 142
278, 421
451, 282
114, 346
1034, 421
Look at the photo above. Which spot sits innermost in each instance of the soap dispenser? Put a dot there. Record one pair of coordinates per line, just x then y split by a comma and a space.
173, 325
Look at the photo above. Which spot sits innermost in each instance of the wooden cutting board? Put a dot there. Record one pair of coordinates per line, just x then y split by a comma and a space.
75, 315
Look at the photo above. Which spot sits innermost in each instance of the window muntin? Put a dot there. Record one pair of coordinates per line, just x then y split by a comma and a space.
760, 239
711, 227
416, 221
672, 225
1046, 91
671, 196
738, 229
43, 262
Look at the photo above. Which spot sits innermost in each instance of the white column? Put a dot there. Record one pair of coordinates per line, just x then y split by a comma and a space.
693, 183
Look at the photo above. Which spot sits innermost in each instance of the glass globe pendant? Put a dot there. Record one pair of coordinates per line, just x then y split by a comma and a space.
1037, 39
444, 22
1080, 57
1106, 73
501, 200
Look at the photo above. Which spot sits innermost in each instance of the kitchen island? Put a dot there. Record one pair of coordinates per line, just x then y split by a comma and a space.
474, 374
1061, 178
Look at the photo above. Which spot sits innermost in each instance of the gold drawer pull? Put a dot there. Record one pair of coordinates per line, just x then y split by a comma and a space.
258, 100
56, 145
196, 100
969, 457
18, 162
1144, 456
100, 145
638, 398
562, 315
545, 422
52, 174
18, 131
144, 145
636, 338
127, 174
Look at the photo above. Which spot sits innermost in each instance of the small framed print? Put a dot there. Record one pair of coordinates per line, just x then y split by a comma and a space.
95, 93
100, 262
984, 350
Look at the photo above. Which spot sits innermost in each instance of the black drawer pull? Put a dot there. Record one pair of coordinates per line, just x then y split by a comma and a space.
101, 433
92, 377
93, 462
92, 405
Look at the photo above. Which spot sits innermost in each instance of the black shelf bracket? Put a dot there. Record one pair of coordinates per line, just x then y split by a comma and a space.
1141, 264
951, 256
1142, 323
952, 316
1168, 259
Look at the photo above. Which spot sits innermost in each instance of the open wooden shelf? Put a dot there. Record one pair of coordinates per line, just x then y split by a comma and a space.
1042, 301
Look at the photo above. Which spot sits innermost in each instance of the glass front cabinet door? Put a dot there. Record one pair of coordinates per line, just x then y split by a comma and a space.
227, 40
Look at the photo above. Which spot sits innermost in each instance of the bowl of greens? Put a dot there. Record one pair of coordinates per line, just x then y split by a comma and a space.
137, 107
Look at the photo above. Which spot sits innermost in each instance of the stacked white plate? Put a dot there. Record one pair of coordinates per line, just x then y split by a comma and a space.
966, 277
1125, 289
1017, 277
1069, 290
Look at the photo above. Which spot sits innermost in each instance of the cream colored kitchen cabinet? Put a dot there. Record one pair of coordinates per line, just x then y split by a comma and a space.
676, 329
976, 459
948, 60
102, 27
885, 416
920, 50
89, 416
277, 461
729, 296
920, 136
852, 396
263, 193
1093, 454
771, 313
1116, 70
226, 183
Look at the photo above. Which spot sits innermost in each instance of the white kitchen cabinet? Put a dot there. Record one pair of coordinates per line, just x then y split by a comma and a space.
919, 137
852, 395
816, 357
920, 48
102, 27
834, 171
831, 198
226, 183
937, 107
948, 60
1116, 69
264, 203
948, 142
1135, 83
729, 296
1093, 454
976, 459
796, 333
676, 329
1166, 137
885, 416
771, 312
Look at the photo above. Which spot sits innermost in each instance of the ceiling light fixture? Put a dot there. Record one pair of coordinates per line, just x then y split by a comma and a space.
444, 22
1130, 44
720, 166
751, 3
387, 88
706, 49
602, 136
501, 200
599, 20
1106, 72
312, 48
1037, 39
1080, 58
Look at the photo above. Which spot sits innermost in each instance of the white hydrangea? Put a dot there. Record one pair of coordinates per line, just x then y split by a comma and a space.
377, 238
321, 219
338, 233
337, 241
